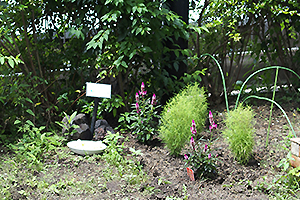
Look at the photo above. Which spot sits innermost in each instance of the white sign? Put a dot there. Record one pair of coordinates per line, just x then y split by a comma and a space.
98, 90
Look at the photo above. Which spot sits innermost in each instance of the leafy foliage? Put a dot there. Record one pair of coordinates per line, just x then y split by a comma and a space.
285, 185
177, 115
114, 156
132, 44
239, 132
39, 60
105, 106
245, 36
68, 127
36, 144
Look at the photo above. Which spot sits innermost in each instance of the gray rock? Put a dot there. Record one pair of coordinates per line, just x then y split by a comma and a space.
101, 122
81, 132
100, 133
84, 132
80, 119
101, 129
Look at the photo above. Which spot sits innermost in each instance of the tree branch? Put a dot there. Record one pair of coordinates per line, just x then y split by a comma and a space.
27, 42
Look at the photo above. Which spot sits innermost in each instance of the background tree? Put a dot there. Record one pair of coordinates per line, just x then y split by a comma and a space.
244, 36
63, 44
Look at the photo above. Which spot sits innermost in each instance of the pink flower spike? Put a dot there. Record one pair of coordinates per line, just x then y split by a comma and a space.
153, 102
186, 157
214, 125
205, 148
137, 107
193, 124
211, 119
142, 87
209, 156
210, 114
192, 142
193, 128
137, 97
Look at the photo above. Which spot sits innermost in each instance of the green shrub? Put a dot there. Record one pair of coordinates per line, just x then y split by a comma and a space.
239, 132
178, 114
36, 145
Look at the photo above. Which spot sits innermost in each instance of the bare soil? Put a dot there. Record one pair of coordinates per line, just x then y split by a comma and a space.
167, 176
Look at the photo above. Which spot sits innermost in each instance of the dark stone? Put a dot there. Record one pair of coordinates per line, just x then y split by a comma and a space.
100, 133
67, 126
80, 119
110, 129
101, 129
101, 122
84, 132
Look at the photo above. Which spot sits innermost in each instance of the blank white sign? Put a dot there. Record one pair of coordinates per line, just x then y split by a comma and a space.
98, 90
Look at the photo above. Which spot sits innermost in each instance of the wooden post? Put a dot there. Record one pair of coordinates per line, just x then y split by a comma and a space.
295, 148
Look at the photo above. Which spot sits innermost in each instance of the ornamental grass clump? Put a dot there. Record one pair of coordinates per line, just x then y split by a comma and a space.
239, 132
176, 117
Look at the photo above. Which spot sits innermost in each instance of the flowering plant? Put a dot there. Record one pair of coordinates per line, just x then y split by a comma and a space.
201, 159
213, 125
141, 120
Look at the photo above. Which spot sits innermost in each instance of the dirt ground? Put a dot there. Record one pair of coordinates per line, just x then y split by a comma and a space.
167, 176
234, 181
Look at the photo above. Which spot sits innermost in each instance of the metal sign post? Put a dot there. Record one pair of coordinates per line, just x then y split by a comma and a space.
97, 91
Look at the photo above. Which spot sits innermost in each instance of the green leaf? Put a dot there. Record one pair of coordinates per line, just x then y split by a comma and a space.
29, 100
148, 136
11, 62
114, 112
176, 66
146, 49
1, 60
17, 122
43, 137
30, 112
132, 54
176, 53
29, 123
204, 28
73, 116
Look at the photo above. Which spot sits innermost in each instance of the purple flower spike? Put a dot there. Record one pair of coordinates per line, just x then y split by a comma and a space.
137, 97
186, 157
211, 119
142, 87
205, 148
143, 92
137, 107
213, 125
209, 156
192, 143
153, 102
193, 128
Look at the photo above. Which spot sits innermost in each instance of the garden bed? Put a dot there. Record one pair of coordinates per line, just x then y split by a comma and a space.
71, 176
